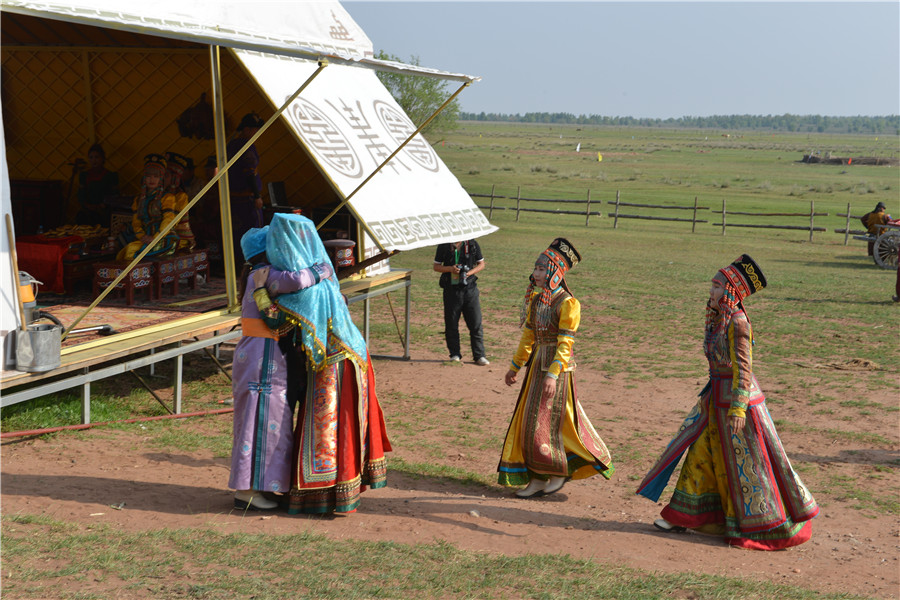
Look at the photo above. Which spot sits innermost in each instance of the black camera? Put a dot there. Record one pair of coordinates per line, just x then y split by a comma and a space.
463, 274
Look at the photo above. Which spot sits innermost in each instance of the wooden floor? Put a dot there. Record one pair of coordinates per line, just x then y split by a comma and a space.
139, 329
119, 346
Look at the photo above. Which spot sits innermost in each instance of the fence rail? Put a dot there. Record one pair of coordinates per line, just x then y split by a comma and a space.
693, 221
616, 214
586, 212
811, 228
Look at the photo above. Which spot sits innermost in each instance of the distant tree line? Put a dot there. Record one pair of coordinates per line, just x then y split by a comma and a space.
787, 122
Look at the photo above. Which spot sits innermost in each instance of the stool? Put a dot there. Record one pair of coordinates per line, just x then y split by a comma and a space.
201, 262
140, 278
171, 270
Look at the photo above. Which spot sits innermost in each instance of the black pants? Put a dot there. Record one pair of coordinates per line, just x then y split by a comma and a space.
463, 300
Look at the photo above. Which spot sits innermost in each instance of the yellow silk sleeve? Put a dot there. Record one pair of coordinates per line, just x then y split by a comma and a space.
569, 319
136, 224
168, 210
181, 200
526, 344
740, 348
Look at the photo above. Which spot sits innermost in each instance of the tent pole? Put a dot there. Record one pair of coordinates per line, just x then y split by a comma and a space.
386, 161
216, 178
224, 191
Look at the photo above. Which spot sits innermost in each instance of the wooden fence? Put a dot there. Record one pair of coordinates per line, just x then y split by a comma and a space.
693, 221
846, 230
519, 200
812, 214
616, 213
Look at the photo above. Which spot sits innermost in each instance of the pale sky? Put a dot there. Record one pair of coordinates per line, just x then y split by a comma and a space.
653, 59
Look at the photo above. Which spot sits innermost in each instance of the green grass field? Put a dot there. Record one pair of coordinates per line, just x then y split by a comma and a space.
644, 284
755, 171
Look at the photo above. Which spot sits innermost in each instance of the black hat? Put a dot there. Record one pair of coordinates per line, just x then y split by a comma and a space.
880, 206
251, 120
744, 275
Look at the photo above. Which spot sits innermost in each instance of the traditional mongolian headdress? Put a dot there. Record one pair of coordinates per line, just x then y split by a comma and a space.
177, 166
323, 320
155, 163
743, 275
740, 279
559, 258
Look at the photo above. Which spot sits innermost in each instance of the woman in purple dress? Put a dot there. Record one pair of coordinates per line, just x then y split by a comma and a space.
263, 403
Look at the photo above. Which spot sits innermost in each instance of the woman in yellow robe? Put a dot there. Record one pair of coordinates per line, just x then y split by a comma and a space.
736, 480
550, 439
153, 209
177, 168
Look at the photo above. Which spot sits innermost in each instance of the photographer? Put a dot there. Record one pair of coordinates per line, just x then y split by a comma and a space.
458, 263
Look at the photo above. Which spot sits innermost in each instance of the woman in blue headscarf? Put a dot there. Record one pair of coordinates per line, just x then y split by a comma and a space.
264, 394
340, 438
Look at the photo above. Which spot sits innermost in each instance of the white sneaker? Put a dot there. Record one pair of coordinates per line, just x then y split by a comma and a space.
482, 362
456, 358
252, 500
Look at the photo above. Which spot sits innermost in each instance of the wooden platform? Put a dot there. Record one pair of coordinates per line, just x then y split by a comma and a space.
114, 347
84, 363
172, 334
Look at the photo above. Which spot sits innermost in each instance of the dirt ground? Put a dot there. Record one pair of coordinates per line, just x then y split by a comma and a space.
852, 550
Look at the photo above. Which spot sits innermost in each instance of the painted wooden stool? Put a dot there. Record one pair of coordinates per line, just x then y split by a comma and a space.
172, 270
140, 279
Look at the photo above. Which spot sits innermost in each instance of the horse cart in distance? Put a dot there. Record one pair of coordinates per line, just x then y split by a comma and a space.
887, 244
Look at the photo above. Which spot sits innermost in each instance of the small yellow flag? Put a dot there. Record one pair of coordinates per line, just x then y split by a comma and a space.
599, 157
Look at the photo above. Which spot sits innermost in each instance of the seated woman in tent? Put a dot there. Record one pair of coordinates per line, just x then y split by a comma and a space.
340, 438
177, 169
152, 210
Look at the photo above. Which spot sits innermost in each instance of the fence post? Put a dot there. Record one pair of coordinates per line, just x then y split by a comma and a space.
491, 212
723, 216
694, 222
812, 212
847, 226
518, 196
587, 212
616, 220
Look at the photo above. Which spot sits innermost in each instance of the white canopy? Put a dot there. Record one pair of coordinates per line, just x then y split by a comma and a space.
8, 320
346, 119
306, 28
350, 124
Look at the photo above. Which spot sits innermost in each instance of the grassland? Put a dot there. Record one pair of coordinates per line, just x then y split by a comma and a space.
824, 326
648, 279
